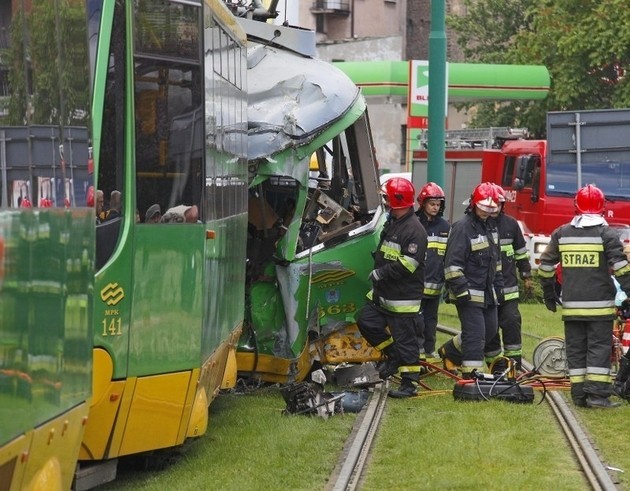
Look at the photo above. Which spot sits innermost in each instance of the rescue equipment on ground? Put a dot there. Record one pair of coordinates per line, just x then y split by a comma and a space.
485, 386
311, 399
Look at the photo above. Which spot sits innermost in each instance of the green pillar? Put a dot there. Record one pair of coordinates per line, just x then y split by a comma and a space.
437, 93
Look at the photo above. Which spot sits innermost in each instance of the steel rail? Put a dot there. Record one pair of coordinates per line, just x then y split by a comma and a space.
346, 476
590, 462
586, 455
348, 473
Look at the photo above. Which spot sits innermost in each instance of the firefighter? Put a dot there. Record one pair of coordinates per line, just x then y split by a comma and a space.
431, 201
390, 320
514, 257
589, 250
472, 269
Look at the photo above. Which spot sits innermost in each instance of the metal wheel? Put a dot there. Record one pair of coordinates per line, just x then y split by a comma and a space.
550, 358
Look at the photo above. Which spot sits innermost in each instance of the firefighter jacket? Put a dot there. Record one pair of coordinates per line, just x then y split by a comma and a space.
437, 232
472, 267
513, 255
399, 260
588, 255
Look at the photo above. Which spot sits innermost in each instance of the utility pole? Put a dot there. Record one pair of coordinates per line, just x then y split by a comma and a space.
437, 93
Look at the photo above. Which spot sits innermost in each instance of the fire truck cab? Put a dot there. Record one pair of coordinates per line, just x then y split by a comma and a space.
541, 177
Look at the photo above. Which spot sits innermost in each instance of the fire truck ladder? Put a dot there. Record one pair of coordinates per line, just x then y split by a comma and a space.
476, 137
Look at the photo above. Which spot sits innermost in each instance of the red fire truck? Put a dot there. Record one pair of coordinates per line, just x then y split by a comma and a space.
541, 177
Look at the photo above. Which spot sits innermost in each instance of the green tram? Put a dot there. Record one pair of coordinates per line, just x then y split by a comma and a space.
170, 133
114, 325
314, 209
47, 236
186, 196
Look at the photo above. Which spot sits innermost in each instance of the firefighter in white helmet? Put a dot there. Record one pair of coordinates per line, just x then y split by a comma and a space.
588, 250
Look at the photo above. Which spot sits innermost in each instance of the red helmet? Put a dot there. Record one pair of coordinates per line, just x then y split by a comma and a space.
431, 191
485, 197
501, 193
45, 203
399, 192
589, 199
26, 203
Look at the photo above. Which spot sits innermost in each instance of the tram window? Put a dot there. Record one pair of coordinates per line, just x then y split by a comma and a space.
169, 107
225, 125
111, 162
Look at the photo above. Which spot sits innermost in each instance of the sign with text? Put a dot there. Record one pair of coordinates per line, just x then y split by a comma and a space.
418, 103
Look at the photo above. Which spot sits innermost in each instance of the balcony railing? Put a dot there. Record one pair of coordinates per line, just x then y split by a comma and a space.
330, 7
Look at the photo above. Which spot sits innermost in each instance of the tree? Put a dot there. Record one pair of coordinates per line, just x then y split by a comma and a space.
585, 45
48, 65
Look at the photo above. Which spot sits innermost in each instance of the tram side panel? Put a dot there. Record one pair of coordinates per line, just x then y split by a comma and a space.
169, 301
46, 247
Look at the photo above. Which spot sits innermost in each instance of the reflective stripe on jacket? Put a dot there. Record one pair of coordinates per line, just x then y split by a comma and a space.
588, 256
437, 232
514, 255
399, 262
472, 264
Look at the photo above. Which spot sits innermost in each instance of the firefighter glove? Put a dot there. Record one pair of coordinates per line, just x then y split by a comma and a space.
462, 299
550, 304
528, 283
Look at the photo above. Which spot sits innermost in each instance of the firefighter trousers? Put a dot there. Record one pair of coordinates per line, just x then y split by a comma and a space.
430, 307
395, 335
508, 336
588, 346
478, 324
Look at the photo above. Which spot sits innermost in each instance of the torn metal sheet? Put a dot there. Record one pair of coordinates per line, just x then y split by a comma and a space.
292, 99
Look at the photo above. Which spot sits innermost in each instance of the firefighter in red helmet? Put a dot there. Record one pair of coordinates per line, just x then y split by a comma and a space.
589, 250
390, 320
431, 202
507, 342
472, 268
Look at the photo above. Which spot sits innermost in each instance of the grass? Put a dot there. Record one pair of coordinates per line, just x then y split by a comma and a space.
473, 445
429, 442
606, 429
250, 445
439, 443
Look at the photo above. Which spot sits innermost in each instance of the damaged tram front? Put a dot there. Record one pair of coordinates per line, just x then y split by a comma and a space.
314, 209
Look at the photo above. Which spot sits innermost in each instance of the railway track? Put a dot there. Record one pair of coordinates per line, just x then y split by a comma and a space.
350, 469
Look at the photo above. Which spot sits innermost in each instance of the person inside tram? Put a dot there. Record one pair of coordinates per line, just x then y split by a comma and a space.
181, 214
153, 214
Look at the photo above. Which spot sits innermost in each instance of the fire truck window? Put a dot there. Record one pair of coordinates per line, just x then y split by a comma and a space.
508, 171
531, 165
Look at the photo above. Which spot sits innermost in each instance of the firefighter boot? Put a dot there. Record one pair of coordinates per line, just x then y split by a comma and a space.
387, 369
451, 356
407, 389
600, 402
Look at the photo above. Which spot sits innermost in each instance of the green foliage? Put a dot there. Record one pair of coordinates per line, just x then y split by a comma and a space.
49, 65
585, 46
535, 296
